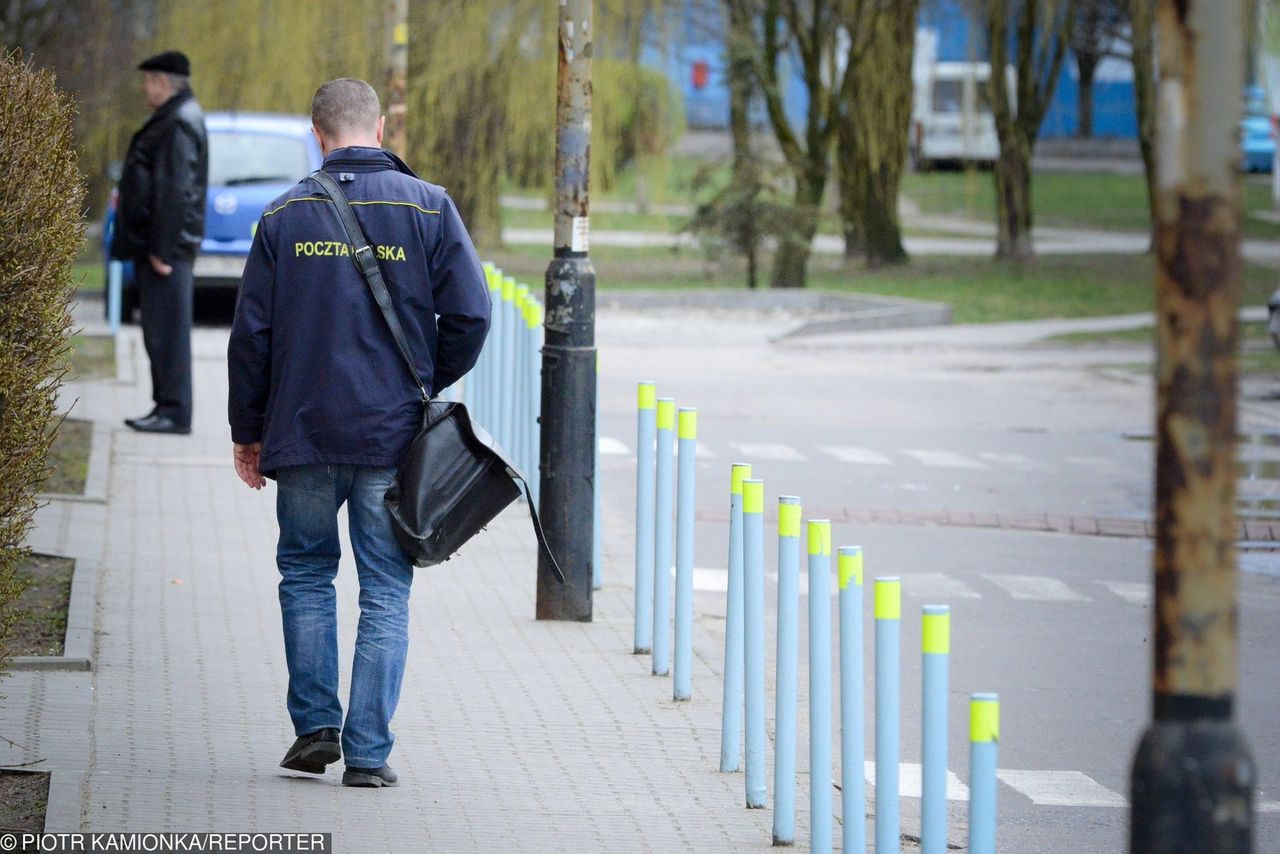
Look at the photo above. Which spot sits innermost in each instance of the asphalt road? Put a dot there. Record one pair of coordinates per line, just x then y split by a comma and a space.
920, 423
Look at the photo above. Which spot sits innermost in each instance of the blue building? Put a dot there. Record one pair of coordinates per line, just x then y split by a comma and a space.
695, 62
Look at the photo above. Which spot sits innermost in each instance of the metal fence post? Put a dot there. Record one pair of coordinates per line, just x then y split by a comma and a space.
687, 433
787, 664
734, 643
984, 744
646, 441
936, 647
853, 752
662, 551
753, 624
820, 820
888, 608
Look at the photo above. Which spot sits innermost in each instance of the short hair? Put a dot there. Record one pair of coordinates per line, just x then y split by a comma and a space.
345, 104
179, 82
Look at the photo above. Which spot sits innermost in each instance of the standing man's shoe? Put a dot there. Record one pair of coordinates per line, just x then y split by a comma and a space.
312, 752
157, 424
370, 778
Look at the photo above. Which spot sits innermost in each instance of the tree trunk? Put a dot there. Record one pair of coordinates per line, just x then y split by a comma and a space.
1144, 88
791, 264
882, 235
871, 140
745, 174
852, 181
1087, 66
1013, 197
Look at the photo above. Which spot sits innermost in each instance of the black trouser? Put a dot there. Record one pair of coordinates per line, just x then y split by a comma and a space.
166, 306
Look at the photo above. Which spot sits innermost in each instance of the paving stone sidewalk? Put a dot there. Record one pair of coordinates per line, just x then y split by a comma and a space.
513, 735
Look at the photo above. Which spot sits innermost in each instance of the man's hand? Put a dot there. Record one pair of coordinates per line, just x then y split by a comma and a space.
160, 267
246, 457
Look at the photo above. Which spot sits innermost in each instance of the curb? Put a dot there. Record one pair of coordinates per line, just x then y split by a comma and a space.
95, 481
841, 312
77, 648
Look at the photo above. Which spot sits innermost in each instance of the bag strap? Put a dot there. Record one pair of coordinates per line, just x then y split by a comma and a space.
367, 264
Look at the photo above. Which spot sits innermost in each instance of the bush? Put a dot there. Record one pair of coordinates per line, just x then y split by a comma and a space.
41, 197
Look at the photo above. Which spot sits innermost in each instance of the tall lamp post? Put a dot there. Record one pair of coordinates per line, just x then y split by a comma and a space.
1192, 780
568, 422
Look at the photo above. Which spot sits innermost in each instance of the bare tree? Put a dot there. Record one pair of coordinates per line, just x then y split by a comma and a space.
808, 30
1041, 30
1097, 31
1142, 40
871, 137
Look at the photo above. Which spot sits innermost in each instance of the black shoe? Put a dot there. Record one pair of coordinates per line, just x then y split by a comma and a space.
370, 778
312, 752
131, 421
157, 424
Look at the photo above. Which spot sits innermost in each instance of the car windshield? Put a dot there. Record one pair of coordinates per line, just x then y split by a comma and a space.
238, 158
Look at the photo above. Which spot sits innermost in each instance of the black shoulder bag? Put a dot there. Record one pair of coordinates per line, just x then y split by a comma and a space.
454, 478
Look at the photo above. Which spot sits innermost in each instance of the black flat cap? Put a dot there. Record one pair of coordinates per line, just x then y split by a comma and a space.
171, 61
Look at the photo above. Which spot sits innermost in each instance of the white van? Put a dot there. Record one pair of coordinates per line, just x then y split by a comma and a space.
951, 120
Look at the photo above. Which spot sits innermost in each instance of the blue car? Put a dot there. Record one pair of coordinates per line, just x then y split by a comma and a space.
253, 157
1257, 134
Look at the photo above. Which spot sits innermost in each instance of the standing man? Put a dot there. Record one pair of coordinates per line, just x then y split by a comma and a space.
320, 400
159, 226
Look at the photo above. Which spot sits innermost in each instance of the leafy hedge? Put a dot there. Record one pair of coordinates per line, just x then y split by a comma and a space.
42, 227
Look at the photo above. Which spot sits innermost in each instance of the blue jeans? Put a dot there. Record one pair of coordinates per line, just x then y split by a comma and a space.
307, 502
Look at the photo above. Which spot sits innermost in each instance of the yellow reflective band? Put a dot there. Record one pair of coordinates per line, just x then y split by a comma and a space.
487, 266
984, 719
508, 289
495, 279
789, 519
753, 496
688, 424
739, 473
533, 314
522, 300
666, 413
936, 632
850, 568
888, 599
819, 537
648, 396
400, 34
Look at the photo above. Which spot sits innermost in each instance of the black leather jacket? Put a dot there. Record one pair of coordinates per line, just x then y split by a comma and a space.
162, 185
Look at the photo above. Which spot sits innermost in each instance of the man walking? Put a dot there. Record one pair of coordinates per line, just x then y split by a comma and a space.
159, 226
320, 400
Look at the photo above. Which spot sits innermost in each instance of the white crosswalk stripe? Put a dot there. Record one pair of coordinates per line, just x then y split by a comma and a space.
1061, 788
911, 781
768, 451
709, 579
936, 585
1268, 806
1036, 588
1135, 592
1018, 462
944, 459
856, 456
612, 447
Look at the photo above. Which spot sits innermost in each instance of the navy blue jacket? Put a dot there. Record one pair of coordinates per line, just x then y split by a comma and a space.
314, 372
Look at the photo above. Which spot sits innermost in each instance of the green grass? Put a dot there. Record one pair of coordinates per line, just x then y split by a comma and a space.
1073, 200
69, 458
1258, 354
88, 276
92, 357
518, 218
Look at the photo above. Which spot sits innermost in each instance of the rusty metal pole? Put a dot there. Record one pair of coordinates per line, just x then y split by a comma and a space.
568, 422
1192, 780
396, 18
